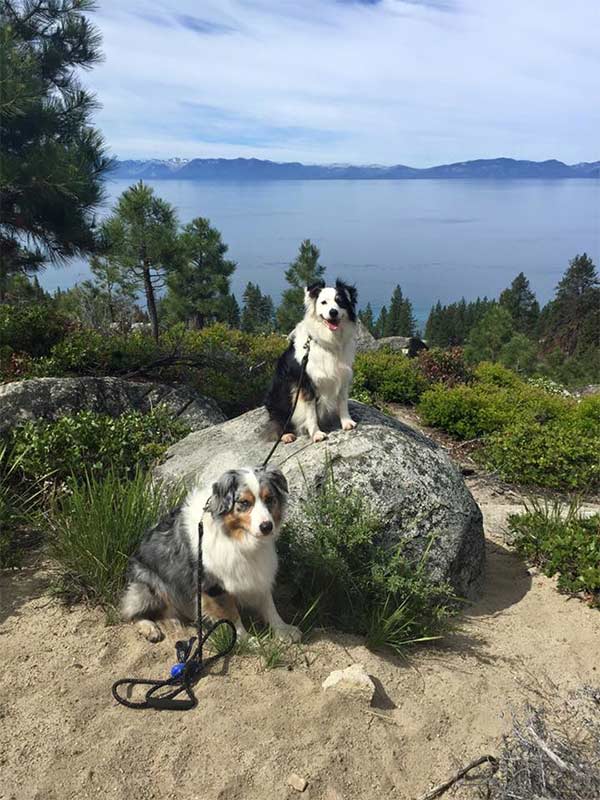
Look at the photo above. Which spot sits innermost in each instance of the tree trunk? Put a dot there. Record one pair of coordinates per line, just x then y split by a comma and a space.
150, 301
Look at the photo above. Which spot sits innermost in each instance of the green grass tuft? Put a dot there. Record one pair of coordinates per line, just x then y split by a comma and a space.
561, 541
95, 526
334, 562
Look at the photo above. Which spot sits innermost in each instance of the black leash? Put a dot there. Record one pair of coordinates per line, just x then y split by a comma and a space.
303, 364
187, 671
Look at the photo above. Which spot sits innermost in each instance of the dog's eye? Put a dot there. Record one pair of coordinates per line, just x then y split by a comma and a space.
323, 302
268, 501
243, 505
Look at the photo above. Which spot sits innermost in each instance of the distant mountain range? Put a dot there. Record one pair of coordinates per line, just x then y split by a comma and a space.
240, 169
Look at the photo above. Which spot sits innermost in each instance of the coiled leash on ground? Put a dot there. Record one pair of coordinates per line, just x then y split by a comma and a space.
187, 671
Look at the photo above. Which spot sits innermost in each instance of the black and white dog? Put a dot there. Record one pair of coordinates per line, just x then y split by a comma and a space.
330, 324
241, 514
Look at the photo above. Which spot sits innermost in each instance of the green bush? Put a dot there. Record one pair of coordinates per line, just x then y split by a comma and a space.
467, 412
232, 367
561, 542
96, 525
561, 453
497, 399
332, 559
94, 443
445, 365
32, 329
388, 377
530, 435
490, 373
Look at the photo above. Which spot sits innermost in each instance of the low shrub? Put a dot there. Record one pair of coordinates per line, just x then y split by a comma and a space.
17, 505
561, 541
492, 374
559, 454
32, 329
387, 376
497, 399
446, 366
96, 525
92, 443
332, 559
232, 367
467, 412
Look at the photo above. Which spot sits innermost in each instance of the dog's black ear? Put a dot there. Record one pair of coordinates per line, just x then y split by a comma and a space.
223, 494
314, 289
277, 481
349, 291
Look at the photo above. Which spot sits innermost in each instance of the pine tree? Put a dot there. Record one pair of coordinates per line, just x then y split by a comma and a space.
433, 333
113, 283
366, 317
394, 315
199, 286
258, 311
229, 311
51, 159
490, 335
302, 272
381, 324
141, 239
571, 321
521, 304
407, 324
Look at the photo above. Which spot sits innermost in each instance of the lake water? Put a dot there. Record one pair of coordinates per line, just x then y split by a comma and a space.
438, 239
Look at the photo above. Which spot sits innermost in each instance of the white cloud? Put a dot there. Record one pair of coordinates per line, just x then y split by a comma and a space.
419, 82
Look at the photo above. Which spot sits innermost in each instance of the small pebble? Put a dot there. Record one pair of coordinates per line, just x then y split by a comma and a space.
297, 783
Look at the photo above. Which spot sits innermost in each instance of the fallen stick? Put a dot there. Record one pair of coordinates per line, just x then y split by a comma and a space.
443, 787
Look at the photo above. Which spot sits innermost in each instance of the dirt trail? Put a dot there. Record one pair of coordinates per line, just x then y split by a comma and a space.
62, 735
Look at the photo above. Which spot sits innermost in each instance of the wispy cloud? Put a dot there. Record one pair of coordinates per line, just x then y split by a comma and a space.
203, 26
393, 81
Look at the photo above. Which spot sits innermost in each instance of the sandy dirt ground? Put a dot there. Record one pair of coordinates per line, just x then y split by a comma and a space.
62, 735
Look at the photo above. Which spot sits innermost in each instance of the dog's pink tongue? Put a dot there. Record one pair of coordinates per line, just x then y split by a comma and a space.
333, 326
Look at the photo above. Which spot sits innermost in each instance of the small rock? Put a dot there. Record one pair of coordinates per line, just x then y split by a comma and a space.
353, 680
297, 783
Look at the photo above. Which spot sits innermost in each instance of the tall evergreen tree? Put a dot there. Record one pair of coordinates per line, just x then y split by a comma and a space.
199, 286
394, 314
571, 321
229, 310
300, 274
521, 304
51, 159
141, 239
366, 317
381, 324
258, 311
407, 324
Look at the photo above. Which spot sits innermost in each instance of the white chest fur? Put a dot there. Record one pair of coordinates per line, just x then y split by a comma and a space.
330, 359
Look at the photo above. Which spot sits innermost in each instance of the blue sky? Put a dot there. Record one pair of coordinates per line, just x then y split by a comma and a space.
418, 82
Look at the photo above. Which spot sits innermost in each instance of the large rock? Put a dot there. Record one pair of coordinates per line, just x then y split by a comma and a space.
407, 478
51, 398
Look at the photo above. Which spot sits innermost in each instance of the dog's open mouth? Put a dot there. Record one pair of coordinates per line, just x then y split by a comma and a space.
333, 326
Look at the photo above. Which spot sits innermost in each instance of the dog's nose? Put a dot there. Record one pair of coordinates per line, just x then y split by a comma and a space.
266, 527
333, 312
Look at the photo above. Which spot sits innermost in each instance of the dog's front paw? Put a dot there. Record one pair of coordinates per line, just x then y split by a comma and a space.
150, 630
319, 436
288, 438
348, 424
288, 633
